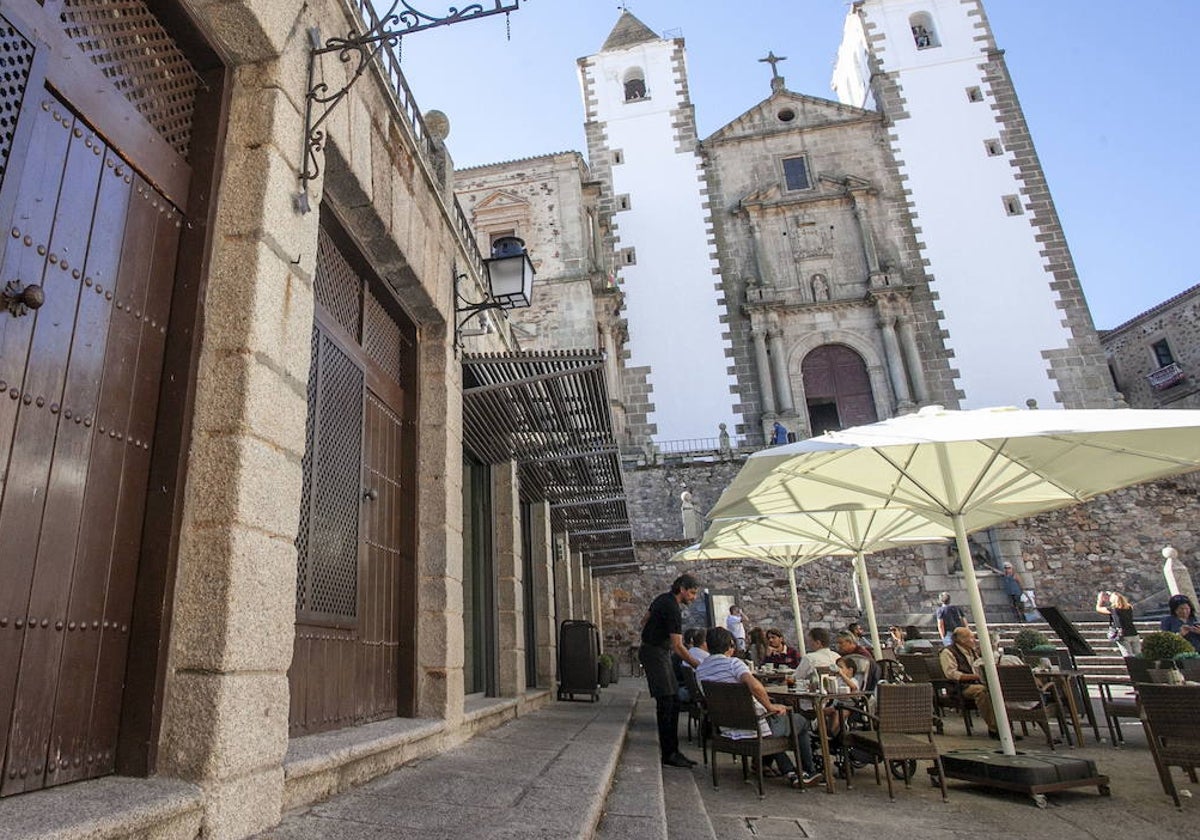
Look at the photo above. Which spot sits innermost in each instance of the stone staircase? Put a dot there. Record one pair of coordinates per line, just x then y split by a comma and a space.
1107, 664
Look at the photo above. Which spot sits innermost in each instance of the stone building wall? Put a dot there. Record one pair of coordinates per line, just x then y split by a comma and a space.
1113, 542
1131, 359
543, 201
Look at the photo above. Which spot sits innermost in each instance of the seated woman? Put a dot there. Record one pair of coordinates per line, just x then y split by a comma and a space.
779, 652
756, 645
1182, 620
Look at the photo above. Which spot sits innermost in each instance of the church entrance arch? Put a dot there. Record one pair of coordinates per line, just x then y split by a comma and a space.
837, 389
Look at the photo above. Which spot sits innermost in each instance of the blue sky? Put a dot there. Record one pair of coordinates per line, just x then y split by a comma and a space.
1105, 85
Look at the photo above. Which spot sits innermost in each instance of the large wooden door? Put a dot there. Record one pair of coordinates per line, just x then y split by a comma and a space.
837, 389
79, 384
354, 653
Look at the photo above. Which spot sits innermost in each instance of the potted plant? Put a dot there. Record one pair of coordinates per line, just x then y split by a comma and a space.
1028, 641
1163, 647
605, 670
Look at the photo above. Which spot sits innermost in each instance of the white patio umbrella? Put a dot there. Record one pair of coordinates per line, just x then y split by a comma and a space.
968, 470
793, 539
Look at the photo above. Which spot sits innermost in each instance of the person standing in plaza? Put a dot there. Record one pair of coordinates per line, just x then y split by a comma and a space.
949, 619
662, 635
1122, 632
1013, 588
735, 623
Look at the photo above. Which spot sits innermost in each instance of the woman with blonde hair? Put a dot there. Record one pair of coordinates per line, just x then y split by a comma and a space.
1122, 632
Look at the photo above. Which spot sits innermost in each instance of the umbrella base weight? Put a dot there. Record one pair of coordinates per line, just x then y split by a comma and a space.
1034, 774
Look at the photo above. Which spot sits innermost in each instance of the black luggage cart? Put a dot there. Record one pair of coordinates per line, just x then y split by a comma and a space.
578, 660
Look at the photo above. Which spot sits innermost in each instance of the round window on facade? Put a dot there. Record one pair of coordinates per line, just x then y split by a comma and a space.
786, 115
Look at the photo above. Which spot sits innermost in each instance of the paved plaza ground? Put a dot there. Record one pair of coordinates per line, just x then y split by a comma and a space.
582, 770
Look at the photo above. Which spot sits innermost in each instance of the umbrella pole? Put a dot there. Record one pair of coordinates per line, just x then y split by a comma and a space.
860, 564
985, 637
791, 570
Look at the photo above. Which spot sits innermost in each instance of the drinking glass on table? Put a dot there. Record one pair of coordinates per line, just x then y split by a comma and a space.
791, 681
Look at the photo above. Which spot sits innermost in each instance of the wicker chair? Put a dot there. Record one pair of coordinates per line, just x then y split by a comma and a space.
1171, 714
1027, 702
697, 711
901, 731
1191, 669
730, 706
948, 694
916, 668
1117, 707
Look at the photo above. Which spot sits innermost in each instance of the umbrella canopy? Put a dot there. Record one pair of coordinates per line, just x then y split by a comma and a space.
785, 556
968, 470
793, 539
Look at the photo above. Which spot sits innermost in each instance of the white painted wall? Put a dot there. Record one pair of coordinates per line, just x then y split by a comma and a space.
992, 285
673, 307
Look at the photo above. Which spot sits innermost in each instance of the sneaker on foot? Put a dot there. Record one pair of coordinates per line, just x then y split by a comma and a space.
812, 778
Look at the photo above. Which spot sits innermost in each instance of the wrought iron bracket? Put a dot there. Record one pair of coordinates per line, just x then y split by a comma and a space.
360, 50
470, 308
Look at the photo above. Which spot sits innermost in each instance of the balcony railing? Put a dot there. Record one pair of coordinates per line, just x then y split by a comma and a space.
408, 112
1165, 377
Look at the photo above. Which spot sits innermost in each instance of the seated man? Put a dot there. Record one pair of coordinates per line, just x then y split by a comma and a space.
721, 666
779, 652
860, 634
958, 664
848, 644
821, 661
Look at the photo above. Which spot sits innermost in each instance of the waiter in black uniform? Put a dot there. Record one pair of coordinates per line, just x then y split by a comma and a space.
662, 634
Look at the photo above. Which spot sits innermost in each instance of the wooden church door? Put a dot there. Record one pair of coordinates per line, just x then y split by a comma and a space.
837, 389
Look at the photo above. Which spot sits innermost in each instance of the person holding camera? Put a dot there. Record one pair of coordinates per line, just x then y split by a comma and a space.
1122, 632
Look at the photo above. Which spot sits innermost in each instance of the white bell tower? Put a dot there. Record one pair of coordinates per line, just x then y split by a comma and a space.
641, 134
1008, 295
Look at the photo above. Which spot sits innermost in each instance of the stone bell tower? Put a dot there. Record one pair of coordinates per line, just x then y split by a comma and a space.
1009, 299
642, 146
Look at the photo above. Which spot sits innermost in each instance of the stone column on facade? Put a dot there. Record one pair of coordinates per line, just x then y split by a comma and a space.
597, 612
542, 563
563, 586
864, 229
224, 718
783, 387
756, 250
579, 603
762, 361
509, 575
609, 346
912, 359
895, 363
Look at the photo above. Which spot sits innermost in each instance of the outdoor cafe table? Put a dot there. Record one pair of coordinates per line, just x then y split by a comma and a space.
1073, 685
818, 699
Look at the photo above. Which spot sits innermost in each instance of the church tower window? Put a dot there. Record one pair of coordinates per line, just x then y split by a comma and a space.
635, 85
795, 173
1012, 205
923, 32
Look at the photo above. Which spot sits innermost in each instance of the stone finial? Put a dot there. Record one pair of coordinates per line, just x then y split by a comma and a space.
1169, 552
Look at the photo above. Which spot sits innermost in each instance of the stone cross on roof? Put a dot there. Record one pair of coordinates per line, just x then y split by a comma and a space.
772, 59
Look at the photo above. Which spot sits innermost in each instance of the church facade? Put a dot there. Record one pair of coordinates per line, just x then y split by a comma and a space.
858, 276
